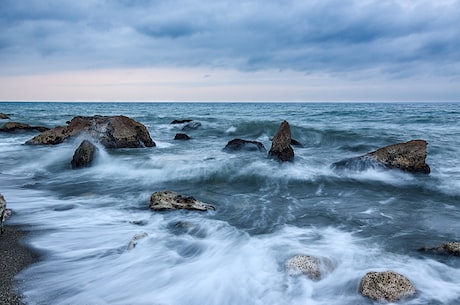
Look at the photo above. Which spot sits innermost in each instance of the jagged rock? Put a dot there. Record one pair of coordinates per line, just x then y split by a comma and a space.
449, 248
18, 127
133, 242
84, 155
168, 200
110, 131
239, 144
409, 156
181, 121
191, 125
304, 264
386, 286
281, 145
4, 116
181, 136
4, 212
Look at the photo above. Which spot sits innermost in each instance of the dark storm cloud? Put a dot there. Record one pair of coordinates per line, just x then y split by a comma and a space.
332, 36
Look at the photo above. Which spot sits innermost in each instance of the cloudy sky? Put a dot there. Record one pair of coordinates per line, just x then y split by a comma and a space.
233, 50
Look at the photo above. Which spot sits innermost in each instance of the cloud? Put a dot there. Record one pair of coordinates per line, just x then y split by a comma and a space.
393, 39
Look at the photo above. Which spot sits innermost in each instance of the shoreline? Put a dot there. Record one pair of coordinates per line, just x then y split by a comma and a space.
14, 257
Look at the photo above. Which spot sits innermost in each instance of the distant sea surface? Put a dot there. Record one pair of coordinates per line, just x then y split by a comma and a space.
266, 212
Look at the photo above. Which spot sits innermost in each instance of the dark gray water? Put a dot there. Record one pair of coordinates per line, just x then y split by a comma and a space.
364, 221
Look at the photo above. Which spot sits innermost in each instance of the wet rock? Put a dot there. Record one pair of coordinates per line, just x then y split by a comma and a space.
409, 156
133, 242
304, 264
181, 136
191, 125
84, 155
449, 248
386, 286
4, 116
239, 144
281, 145
4, 212
18, 127
110, 131
168, 200
181, 121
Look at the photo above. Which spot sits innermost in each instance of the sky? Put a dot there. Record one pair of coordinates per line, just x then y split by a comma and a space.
235, 50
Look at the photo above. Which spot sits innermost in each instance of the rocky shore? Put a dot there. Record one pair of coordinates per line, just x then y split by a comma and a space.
14, 257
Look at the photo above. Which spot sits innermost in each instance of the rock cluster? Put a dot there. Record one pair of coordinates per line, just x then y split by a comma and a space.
281, 144
17, 127
239, 144
386, 286
168, 200
110, 131
84, 155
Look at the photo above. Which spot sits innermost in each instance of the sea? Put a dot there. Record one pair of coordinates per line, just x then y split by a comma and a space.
82, 221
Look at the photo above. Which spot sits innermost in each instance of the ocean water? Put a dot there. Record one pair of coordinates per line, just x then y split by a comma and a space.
83, 220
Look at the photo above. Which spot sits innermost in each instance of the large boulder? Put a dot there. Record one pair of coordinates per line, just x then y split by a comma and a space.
84, 155
239, 144
281, 144
110, 131
386, 286
449, 248
409, 156
18, 127
303, 264
4, 212
168, 200
4, 116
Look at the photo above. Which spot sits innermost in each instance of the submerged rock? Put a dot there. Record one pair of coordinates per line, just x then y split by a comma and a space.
409, 156
449, 248
133, 242
4, 212
84, 155
181, 136
18, 127
281, 145
181, 121
4, 116
239, 144
386, 286
304, 264
110, 131
191, 125
168, 200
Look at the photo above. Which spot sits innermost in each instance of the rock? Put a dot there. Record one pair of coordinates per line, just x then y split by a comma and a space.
409, 156
17, 127
281, 145
4, 212
168, 200
181, 121
303, 264
4, 116
110, 131
84, 155
181, 136
449, 248
191, 125
386, 286
133, 242
239, 144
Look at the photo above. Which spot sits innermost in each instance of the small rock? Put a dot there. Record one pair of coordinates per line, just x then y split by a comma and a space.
304, 264
4, 116
281, 145
4, 212
239, 144
84, 155
18, 127
181, 121
181, 136
386, 286
191, 125
168, 200
449, 248
133, 242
